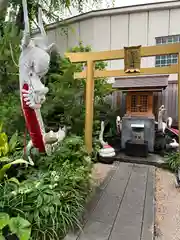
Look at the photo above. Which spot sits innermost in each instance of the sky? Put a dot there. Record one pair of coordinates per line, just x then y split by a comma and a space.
119, 3
109, 4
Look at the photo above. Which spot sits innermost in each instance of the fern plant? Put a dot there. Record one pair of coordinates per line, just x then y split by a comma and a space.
173, 160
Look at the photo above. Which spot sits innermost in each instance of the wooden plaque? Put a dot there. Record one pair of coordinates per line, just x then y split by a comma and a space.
132, 59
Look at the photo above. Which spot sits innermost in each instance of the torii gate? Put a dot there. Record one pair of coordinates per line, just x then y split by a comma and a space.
90, 73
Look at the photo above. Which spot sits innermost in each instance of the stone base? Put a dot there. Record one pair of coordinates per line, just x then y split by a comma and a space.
136, 148
151, 159
149, 130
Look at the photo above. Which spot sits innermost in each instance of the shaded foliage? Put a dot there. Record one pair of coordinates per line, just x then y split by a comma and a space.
66, 99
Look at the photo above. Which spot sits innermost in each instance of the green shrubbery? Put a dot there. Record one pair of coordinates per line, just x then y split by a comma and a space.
173, 160
48, 199
53, 193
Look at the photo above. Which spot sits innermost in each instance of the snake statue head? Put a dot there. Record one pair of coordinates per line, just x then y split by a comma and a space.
34, 63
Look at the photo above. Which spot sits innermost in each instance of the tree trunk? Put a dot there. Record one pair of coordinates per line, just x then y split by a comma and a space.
3, 5
3, 11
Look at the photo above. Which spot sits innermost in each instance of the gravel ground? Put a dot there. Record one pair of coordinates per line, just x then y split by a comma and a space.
167, 225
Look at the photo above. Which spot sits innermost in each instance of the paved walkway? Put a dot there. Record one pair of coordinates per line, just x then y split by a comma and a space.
123, 207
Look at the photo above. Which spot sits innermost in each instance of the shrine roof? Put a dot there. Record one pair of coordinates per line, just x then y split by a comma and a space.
146, 81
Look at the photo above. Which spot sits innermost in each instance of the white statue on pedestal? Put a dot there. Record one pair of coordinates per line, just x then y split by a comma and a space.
118, 124
161, 124
106, 150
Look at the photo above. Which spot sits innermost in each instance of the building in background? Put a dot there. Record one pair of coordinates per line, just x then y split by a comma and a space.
115, 28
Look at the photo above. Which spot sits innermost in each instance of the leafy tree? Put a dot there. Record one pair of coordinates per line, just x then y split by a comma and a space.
10, 113
66, 99
51, 9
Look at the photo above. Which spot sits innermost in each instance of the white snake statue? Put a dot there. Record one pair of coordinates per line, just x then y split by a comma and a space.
163, 125
106, 150
33, 65
118, 124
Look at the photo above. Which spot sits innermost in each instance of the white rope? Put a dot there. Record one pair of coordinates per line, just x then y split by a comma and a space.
26, 19
40, 23
12, 56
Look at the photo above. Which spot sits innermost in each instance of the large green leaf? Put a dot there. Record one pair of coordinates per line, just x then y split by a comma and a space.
13, 142
1, 126
3, 138
1, 236
21, 227
14, 180
4, 147
4, 169
4, 220
19, 161
5, 159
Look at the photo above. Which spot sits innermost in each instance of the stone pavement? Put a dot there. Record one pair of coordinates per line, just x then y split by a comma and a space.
123, 206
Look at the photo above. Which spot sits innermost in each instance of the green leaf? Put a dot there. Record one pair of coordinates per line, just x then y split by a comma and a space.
4, 169
13, 142
4, 220
19, 161
1, 236
51, 210
14, 180
5, 149
21, 227
1, 126
5, 159
39, 201
3, 138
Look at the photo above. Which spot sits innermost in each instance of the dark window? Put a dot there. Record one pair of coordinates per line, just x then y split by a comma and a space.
143, 103
134, 103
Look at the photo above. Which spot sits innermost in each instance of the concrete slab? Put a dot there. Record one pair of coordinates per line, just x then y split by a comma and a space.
95, 231
108, 205
125, 209
149, 207
129, 218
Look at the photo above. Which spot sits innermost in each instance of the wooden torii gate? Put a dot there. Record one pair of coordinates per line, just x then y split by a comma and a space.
90, 74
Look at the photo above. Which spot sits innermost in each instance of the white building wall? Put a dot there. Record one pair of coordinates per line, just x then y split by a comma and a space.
73, 35
112, 31
117, 31
174, 21
87, 31
119, 36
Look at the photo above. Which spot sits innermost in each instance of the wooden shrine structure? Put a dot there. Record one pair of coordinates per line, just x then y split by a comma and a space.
132, 57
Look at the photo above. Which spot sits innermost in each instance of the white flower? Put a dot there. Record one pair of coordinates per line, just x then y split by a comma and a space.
37, 185
54, 173
27, 191
87, 159
56, 178
14, 193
